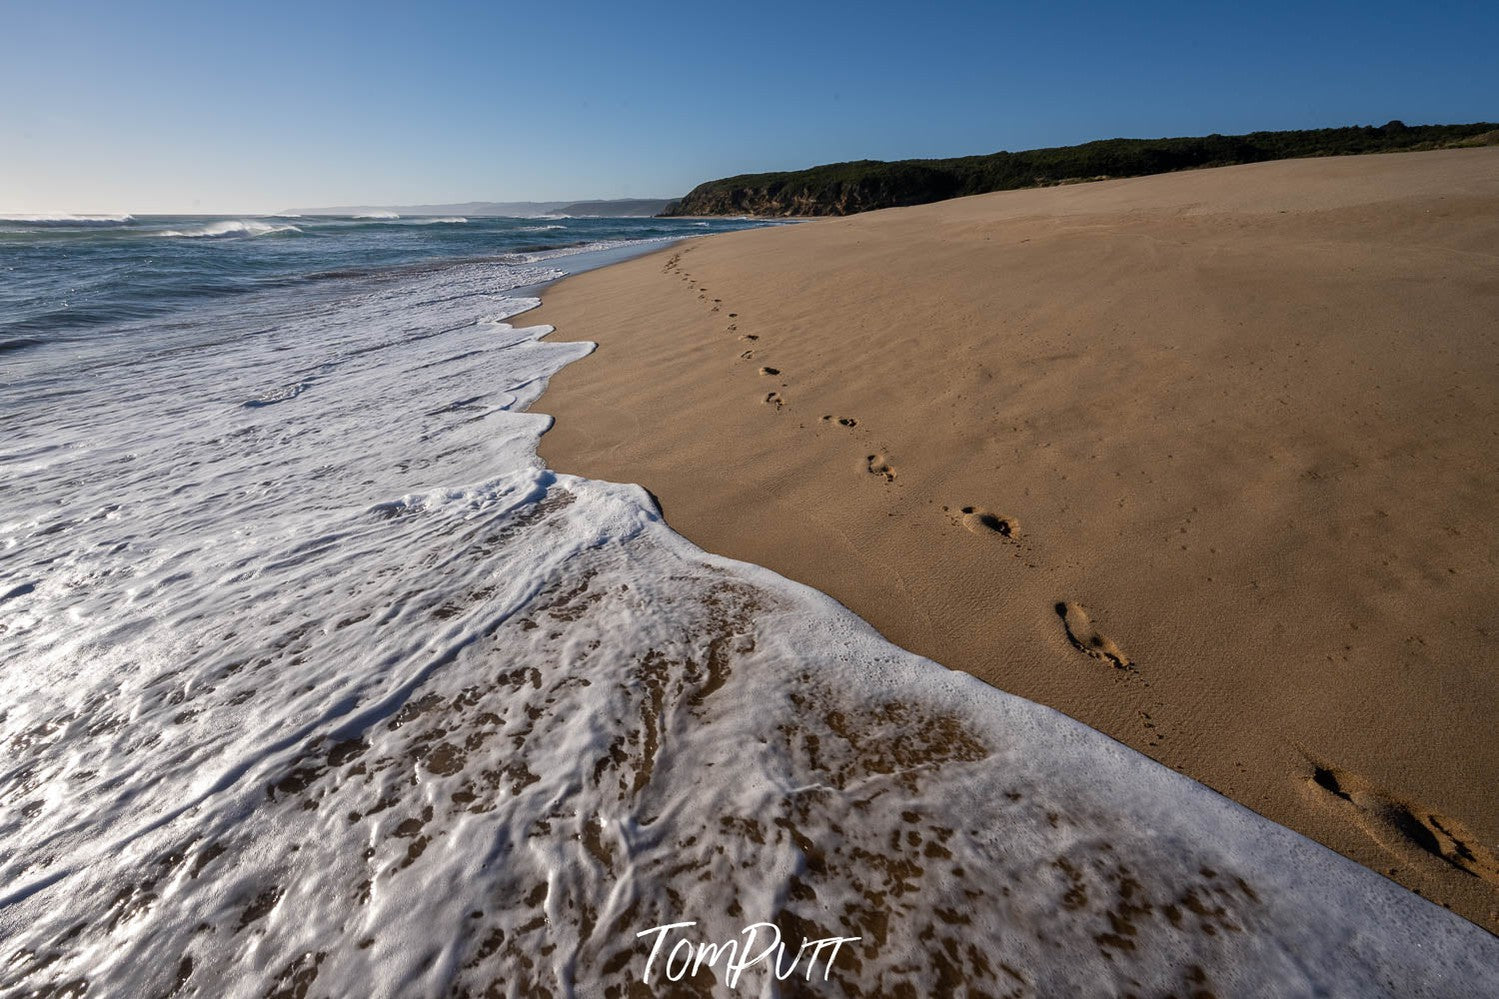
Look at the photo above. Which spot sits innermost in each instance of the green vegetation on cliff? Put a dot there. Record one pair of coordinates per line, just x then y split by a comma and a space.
846, 188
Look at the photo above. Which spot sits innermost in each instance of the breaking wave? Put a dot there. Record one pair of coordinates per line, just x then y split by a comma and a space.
239, 229
64, 219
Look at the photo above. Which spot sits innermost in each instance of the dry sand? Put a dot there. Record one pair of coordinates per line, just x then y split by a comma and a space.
1209, 461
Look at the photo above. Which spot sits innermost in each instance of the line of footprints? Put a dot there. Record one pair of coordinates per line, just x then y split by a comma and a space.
876, 464
1076, 625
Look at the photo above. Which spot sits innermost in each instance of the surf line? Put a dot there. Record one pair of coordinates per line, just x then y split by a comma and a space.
695, 956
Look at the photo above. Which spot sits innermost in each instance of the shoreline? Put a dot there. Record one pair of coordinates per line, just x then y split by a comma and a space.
1109, 447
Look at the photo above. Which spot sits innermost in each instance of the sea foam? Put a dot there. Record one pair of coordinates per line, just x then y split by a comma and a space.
239, 229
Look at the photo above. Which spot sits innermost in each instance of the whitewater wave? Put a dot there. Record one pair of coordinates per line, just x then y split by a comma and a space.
541, 253
63, 218
239, 229
377, 215
452, 220
541, 228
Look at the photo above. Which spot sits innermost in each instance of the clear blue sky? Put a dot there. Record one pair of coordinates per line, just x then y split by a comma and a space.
213, 106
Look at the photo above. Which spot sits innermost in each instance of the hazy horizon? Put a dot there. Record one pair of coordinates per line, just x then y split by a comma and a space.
285, 211
173, 108
436, 207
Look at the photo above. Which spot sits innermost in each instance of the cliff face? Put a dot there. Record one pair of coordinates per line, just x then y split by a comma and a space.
846, 188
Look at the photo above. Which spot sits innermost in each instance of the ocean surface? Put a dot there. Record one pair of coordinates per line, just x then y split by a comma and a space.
76, 276
315, 681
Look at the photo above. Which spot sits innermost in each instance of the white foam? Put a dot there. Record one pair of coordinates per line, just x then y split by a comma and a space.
377, 215
541, 228
324, 678
63, 218
541, 256
233, 229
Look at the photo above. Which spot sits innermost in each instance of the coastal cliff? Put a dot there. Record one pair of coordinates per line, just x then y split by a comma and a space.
864, 185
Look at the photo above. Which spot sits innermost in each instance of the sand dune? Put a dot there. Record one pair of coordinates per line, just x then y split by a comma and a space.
1205, 460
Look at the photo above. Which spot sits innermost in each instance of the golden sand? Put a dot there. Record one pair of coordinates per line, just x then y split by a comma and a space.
1209, 461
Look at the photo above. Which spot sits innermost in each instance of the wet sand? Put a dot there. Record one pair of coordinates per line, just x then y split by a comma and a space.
1204, 460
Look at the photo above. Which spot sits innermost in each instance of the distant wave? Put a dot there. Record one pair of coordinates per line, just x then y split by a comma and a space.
378, 215
525, 254
541, 228
65, 219
230, 230
542, 252
386, 221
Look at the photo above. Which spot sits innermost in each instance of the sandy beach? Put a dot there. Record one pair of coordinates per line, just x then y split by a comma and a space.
1204, 460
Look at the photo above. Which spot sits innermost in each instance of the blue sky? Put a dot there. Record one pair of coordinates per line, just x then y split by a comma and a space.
225, 107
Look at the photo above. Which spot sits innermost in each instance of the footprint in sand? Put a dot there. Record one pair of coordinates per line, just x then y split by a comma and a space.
846, 421
878, 465
746, 355
770, 371
1085, 638
1409, 831
774, 399
745, 336
981, 521
1156, 735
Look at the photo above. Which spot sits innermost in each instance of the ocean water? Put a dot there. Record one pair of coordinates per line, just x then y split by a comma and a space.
71, 276
315, 681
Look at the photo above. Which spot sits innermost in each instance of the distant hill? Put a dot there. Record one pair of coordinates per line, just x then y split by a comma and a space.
620, 208
616, 208
846, 188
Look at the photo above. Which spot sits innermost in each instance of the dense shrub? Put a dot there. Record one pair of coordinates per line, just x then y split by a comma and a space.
845, 188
